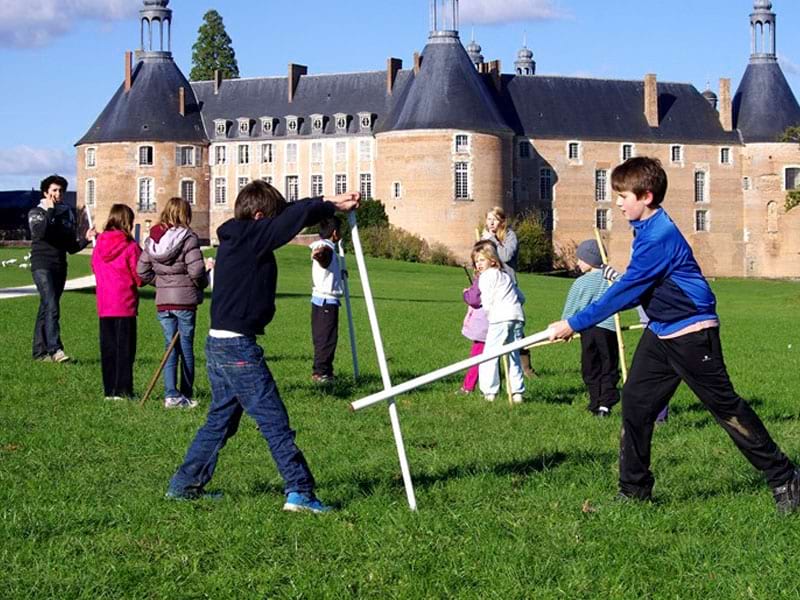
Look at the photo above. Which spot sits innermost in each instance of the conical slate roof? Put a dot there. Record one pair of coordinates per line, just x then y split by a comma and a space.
149, 111
764, 105
448, 93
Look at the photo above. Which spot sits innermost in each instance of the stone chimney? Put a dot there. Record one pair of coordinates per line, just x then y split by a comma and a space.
725, 104
182, 101
217, 81
417, 62
128, 71
393, 65
651, 99
495, 69
295, 73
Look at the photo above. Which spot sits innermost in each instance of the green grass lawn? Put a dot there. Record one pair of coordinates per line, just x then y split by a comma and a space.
12, 275
513, 502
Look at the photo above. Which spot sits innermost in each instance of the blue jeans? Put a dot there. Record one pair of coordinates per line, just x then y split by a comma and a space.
47, 331
183, 322
241, 382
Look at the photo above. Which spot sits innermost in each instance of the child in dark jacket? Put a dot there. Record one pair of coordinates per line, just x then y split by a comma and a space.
681, 342
173, 260
114, 265
242, 304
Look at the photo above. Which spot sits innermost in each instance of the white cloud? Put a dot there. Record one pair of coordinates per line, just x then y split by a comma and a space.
30, 23
509, 11
788, 65
26, 166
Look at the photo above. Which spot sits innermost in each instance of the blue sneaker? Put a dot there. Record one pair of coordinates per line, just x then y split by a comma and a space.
299, 502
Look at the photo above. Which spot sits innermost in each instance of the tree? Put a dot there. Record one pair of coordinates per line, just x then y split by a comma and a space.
213, 50
790, 135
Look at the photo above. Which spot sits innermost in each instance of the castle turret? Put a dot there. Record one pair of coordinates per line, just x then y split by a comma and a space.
525, 65
474, 52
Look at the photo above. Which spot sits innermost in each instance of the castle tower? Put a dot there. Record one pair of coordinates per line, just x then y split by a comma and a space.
446, 144
525, 65
474, 51
763, 108
148, 144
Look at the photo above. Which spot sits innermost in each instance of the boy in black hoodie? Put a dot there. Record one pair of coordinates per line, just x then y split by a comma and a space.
242, 304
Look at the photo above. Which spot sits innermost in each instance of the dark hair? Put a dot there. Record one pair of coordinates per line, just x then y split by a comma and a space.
640, 175
328, 226
258, 197
48, 181
120, 218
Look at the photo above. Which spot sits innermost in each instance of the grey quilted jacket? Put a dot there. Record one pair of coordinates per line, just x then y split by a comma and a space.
173, 262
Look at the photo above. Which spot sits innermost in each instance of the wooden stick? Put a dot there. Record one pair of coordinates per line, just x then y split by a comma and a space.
469, 276
157, 374
617, 324
504, 362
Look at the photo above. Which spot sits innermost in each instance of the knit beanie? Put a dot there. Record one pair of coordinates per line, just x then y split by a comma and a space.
589, 253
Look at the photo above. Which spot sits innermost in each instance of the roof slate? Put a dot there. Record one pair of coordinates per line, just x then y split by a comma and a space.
764, 105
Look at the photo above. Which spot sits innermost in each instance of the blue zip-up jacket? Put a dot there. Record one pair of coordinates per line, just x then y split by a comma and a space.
663, 277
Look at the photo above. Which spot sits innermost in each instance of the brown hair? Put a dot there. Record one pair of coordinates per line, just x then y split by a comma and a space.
640, 175
120, 218
500, 215
258, 197
488, 250
176, 213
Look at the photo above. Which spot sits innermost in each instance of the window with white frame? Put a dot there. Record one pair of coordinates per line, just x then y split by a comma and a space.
146, 200
220, 155
267, 179
701, 220
746, 184
244, 154
187, 190
365, 120
700, 183
525, 149
725, 156
462, 180
244, 126
574, 151
91, 158
791, 179
291, 153
676, 154
292, 188
145, 156
292, 124
316, 153
601, 185
220, 127
341, 151
241, 182
317, 122
185, 156
626, 152
341, 122
365, 185
397, 190
220, 191
317, 188
461, 143
341, 184
267, 153
365, 150
546, 184
267, 125
91, 192
602, 219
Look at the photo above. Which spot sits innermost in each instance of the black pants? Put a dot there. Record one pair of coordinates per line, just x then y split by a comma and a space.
47, 330
325, 334
658, 368
600, 367
117, 354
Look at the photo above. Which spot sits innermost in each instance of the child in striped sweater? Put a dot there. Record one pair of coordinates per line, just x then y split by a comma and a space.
599, 350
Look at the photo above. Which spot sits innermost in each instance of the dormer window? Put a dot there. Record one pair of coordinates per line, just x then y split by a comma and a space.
341, 122
317, 123
292, 124
267, 125
244, 126
365, 120
220, 127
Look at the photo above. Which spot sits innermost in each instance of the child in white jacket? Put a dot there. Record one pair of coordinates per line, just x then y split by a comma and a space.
502, 301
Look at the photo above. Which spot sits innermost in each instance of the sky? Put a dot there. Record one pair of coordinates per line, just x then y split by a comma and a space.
62, 60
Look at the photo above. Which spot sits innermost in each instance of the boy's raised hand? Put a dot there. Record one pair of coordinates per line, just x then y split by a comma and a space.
345, 202
560, 330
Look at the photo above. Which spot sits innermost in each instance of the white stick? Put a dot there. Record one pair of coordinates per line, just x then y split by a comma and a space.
90, 222
387, 382
350, 327
450, 370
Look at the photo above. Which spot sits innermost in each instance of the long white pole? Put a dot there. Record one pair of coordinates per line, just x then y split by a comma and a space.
413, 384
90, 222
350, 327
387, 382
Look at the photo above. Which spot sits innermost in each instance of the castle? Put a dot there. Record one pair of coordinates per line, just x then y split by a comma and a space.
444, 140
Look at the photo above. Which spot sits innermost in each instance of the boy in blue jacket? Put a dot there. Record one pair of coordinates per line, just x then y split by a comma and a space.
242, 304
681, 342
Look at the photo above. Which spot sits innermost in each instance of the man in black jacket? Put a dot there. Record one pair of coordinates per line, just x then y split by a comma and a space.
54, 232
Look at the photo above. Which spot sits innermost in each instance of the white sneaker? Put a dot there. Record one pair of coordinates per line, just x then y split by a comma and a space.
488, 397
172, 401
59, 356
517, 398
187, 402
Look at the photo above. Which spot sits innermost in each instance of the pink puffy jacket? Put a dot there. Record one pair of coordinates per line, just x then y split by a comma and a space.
114, 265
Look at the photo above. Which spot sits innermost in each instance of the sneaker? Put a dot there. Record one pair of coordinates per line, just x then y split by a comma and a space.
787, 496
299, 502
631, 497
489, 397
322, 379
517, 398
603, 412
179, 402
114, 398
59, 356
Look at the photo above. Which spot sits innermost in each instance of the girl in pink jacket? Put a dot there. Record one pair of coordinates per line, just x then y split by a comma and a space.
114, 264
